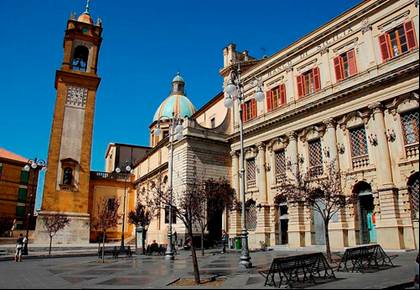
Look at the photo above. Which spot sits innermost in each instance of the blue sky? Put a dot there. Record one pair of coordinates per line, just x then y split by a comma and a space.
144, 44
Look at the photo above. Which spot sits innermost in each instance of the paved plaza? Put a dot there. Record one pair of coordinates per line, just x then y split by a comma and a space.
156, 272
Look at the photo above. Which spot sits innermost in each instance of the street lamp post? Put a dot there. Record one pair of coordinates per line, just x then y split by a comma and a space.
175, 132
126, 175
234, 91
36, 164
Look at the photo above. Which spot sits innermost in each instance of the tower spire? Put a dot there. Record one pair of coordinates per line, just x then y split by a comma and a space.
87, 6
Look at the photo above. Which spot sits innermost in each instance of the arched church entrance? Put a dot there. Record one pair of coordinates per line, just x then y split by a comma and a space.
365, 213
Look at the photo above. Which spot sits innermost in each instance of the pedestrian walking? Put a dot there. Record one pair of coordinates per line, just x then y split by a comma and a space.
13, 228
19, 247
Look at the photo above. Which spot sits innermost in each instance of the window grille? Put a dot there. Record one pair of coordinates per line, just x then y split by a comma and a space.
251, 217
410, 123
280, 157
251, 174
359, 146
413, 190
315, 158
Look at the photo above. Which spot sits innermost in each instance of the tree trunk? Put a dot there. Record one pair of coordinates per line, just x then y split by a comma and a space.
136, 240
194, 258
327, 240
103, 247
49, 251
202, 242
143, 241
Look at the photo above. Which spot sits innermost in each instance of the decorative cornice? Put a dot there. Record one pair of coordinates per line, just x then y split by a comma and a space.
366, 26
376, 107
234, 153
330, 123
261, 146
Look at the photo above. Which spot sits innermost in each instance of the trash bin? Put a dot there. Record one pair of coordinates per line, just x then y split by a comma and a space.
238, 243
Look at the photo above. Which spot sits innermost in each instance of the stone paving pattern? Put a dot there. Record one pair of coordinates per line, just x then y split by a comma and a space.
156, 272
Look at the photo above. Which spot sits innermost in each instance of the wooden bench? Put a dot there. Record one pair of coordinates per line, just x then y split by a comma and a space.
363, 258
115, 252
298, 269
107, 251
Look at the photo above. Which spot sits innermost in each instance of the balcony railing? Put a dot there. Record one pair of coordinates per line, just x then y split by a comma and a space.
360, 161
251, 183
109, 175
280, 178
412, 150
316, 170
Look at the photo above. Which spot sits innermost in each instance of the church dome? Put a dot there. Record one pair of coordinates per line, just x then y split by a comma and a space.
177, 103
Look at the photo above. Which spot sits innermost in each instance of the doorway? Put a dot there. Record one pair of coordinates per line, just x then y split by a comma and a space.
283, 223
366, 213
318, 224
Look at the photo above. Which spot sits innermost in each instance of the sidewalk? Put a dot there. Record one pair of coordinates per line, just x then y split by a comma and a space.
40, 251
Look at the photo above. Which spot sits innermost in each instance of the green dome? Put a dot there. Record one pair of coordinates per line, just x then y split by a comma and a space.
179, 105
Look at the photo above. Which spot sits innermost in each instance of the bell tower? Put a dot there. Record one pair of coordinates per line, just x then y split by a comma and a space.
66, 188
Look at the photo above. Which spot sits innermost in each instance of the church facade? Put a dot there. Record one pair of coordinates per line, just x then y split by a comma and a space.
347, 91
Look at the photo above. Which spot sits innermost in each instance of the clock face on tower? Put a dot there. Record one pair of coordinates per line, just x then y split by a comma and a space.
76, 97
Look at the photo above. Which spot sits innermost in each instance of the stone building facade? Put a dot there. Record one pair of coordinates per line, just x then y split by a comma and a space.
348, 92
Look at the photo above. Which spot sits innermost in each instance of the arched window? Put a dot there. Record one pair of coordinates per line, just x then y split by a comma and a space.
80, 58
68, 176
413, 190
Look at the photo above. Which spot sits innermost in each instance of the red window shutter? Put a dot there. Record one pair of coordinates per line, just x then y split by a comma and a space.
282, 90
351, 56
383, 43
411, 36
244, 117
317, 79
300, 84
338, 68
269, 101
253, 108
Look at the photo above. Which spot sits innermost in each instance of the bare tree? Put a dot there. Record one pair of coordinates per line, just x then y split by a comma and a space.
185, 206
142, 216
54, 223
107, 217
215, 196
323, 193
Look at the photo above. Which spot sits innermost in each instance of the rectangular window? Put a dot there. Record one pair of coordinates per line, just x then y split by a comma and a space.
249, 110
167, 215
398, 41
20, 211
358, 139
24, 177
276, 97
111, 204
280, 159
309, 82
213, 122
315, 158
410, 124
22, 194
345, 65
251, 174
